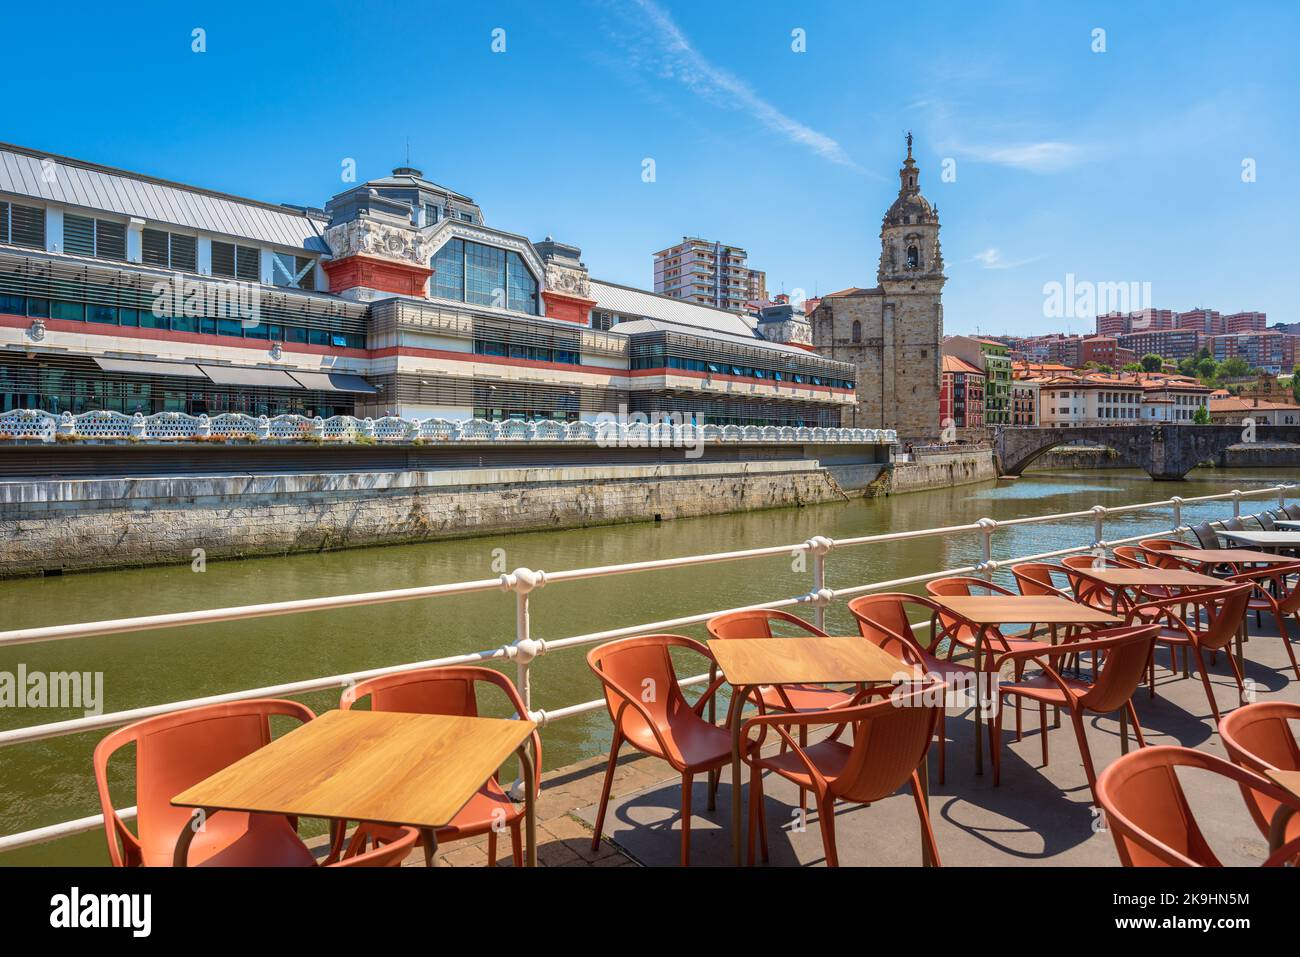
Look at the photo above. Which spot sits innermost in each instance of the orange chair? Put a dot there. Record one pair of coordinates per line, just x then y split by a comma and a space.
453, 691
375, 845
890, 739
1037, 578
757, 623
1259, 738
177, 750
1090, 591
1123, 654
1202, 621
1147, 812
1276, 593
963, 634
650, 713
882, 620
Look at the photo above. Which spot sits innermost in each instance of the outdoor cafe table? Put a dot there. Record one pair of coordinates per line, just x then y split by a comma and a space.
1288, 781
387, 767
1121, 580
1269, 540
1287, 524
1227, 556
983, 612
752, 662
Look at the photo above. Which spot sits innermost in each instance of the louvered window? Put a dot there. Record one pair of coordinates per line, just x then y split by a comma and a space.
22, 225
235, 262
101, 238
171, 250
295, 272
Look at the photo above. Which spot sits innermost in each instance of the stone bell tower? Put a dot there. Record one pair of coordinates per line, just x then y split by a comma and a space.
911, 277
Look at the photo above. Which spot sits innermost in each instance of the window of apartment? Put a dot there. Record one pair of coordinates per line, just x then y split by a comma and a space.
294, 272
169, 250
236, 262
22, 225
430, 214
99, 238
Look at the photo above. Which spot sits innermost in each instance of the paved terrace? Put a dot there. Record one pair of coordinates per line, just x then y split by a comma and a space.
1037, 816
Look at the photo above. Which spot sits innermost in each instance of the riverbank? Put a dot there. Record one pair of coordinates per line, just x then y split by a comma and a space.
1253, 455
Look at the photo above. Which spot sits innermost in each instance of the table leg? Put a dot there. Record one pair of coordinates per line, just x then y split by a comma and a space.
979, 700
530, 807
1123, 731
738, 696
199, 817
429, 840
924, 773
1078, 664
713, 719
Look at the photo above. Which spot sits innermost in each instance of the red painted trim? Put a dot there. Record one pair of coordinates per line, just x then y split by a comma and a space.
167, 335
568, 308
405, 279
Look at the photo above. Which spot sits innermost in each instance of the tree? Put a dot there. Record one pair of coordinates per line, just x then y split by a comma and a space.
1105, 369
1132, 367
1202, 416
1152, 362
1234, 367
1207, 369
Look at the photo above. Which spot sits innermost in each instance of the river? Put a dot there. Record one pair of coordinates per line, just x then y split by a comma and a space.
46, 782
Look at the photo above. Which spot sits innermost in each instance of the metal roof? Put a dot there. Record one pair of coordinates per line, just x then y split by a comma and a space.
635, 326
59, 179
649, 305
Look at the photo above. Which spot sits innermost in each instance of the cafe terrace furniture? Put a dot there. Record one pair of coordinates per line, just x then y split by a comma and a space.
385, 767
1272, 541
454, 690
1147, 812
1121, 655
1277, 592
176, 750
890, 736
747, 665
882, 620
650, 713
983, 616
1205, 621
1259, 738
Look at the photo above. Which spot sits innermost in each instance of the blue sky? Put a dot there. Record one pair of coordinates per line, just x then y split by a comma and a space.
1122, 166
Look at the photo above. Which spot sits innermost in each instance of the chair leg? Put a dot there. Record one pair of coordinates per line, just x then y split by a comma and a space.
1018, 732
1085, 752
687, 780
923, 813
1133, 719
614, 745
995, 751
757, 819
1205, 680
492, 847
803, 743
1286, 643
1042, 728
516, 843
826, 817
1236, 673
943, 740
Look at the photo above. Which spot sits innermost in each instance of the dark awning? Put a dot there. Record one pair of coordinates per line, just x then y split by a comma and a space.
237, 375
333, 382
145, 367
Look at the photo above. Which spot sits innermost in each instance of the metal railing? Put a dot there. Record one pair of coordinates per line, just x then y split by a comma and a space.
525, 649
102, 425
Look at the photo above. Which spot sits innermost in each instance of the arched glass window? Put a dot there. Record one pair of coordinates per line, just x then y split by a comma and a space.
913, 257
484, 275
857, 331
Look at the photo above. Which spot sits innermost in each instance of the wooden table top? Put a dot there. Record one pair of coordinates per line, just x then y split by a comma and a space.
1229, 556
1286, 780
1023, 609
1264, 538
811, 660
381, 766
1152, 576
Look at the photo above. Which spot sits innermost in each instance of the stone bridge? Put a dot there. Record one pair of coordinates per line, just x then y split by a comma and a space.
1166, 452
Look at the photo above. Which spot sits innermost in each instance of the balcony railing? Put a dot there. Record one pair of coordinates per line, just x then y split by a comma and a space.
525, 649
36, 424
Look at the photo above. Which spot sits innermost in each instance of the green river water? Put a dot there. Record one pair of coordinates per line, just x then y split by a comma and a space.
49, 781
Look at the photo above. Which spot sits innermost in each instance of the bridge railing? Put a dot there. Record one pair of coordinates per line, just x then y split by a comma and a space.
523, 583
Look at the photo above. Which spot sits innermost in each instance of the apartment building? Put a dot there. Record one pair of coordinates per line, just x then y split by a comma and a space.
961, 394
994, 360
1267, 349
1167, 343
708, 273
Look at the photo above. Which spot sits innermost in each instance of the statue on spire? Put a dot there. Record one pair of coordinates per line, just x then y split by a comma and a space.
909, 144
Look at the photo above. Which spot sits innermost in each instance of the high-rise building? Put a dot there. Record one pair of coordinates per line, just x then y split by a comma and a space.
1245, 322
1207, 321
708, 273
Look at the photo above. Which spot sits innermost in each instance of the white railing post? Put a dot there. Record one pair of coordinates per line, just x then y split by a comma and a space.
522, 581
1281, 496
1098, 529
818, 546
987, 527
1236, 503
1178, 511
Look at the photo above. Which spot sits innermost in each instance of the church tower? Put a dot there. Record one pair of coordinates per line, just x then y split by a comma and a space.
894, 331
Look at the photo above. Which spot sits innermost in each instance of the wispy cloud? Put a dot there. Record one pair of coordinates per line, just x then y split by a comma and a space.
991, 258
1048, 156
668, 53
